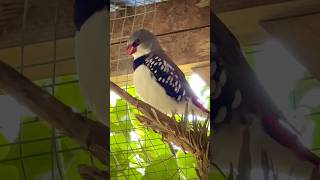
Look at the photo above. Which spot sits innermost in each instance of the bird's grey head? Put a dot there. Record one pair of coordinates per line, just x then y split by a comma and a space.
142, 42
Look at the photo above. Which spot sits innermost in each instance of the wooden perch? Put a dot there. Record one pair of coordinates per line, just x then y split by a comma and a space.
90, 134
194, 140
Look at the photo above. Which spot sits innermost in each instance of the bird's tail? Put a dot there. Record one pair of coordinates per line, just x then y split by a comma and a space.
288, 139
198, 104
197, 108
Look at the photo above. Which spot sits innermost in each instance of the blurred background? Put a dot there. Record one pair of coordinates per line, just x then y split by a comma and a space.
280, 41
279, 38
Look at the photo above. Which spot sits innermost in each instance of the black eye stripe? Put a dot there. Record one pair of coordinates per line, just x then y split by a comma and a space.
136, 43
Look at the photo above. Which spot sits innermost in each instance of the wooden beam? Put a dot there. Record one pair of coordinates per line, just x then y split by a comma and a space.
186, 40
190, 47
182, 47
245, 23
301, 36
39, 23
166, 17
231, 5
173, 15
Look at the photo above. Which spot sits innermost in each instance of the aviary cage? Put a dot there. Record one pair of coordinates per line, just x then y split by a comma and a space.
138, 152
37, 40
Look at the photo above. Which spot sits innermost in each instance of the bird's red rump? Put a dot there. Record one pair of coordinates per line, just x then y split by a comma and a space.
199, 105
288, 139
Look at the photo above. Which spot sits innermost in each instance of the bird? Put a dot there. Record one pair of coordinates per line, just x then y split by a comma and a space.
158, 80
91, 53
240, 105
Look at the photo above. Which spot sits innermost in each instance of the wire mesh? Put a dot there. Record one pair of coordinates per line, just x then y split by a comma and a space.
39, 151
137, 152
42, 152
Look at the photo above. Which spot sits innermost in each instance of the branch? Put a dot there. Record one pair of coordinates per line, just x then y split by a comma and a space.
88, 133
194, 140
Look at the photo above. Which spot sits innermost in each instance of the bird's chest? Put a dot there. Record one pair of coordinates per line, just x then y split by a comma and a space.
149, 90
145, 83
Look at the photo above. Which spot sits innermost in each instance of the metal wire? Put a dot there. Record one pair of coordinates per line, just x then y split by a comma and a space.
55, 155
123, 23
24, 18
57, 152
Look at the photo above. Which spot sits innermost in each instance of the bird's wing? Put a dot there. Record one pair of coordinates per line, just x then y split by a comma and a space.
226, 97
91, 53
166, 74
172, 79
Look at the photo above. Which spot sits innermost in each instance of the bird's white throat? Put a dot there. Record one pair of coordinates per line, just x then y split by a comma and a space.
154, 48
138, 54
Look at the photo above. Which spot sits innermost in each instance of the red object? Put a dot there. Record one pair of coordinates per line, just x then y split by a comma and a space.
199, 105
288, 139
131, 49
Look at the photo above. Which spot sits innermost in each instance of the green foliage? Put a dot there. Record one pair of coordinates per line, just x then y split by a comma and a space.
187, 164
162, 167
9, 172
37, 147
248, 53
136, 152
4, 150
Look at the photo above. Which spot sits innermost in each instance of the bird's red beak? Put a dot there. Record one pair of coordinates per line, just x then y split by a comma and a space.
131, 49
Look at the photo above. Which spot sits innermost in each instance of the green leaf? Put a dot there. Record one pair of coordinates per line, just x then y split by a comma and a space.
9, 172
164, 167
249, 51
4, 149
36, 130
153, 146
187, 163
72, 159
69, 94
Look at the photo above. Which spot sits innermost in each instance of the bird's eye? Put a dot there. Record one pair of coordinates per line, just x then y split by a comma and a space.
136, 43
